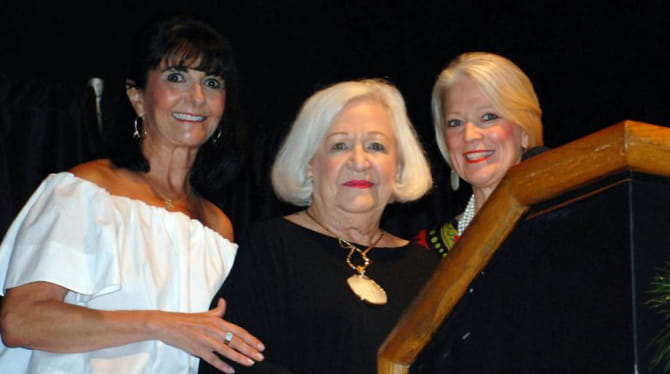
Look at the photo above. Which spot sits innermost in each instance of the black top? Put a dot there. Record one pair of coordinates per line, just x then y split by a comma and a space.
289, 288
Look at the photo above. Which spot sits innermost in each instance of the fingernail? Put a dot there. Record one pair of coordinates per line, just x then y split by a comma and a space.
250, 361
259, 357
261, 347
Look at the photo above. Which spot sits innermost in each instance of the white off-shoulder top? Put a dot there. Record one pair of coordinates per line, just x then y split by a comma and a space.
111, 253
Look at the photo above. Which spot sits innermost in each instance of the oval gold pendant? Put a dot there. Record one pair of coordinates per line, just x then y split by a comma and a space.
367, 289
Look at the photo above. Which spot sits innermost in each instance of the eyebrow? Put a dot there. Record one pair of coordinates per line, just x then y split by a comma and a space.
485, 107
342, 133
184, 69
176, 68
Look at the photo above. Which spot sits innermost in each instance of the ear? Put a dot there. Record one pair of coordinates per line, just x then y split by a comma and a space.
136, 97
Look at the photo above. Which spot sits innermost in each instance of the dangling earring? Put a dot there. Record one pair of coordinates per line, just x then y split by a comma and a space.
137, 123
217, 137
455, 180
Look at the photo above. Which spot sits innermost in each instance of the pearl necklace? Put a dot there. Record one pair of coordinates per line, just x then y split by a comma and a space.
467, 216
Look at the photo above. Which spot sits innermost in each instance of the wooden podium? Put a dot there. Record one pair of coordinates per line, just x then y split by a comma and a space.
553, 274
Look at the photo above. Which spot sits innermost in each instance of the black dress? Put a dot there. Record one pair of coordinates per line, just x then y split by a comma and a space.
289, 288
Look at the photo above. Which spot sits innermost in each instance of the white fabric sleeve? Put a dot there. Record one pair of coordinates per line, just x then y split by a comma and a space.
64, 235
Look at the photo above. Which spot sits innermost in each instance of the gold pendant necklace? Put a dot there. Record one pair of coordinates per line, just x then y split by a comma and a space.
360, 284
169, 204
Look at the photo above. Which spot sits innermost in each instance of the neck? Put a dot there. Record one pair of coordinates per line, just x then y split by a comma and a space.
169, 171
169, 160
352, 228
481, 195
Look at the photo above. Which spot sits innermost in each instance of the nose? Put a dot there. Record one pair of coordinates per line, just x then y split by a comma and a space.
471, 131
359, 158
197, 93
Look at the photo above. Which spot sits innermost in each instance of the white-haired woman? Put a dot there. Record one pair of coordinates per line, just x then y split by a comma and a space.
324, 286
486, 116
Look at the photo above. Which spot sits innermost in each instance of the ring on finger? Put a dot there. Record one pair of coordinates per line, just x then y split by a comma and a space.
228, 338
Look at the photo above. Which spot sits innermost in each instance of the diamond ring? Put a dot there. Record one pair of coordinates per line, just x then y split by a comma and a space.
228, 338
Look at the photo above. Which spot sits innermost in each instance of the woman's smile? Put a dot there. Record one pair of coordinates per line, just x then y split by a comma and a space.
473, 157
188, 117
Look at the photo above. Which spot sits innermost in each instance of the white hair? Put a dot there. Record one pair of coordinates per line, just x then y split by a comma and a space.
289, 172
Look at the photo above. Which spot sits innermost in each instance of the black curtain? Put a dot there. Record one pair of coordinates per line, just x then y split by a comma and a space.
44, 128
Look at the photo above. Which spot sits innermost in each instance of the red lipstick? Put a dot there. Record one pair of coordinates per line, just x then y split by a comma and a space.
359, 184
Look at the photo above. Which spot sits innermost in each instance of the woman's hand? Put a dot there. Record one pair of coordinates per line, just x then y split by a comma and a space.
203, 335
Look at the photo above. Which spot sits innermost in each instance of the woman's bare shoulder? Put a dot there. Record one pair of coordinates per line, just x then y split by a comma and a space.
94, 171
217, 220
104, 174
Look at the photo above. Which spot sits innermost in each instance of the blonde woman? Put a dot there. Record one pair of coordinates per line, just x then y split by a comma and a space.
486, 116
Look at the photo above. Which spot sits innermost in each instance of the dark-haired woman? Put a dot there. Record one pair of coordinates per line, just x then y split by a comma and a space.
110, 267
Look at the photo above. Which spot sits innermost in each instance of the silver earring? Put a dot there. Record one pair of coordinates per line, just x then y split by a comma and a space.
137, 123
455, 180
217, 137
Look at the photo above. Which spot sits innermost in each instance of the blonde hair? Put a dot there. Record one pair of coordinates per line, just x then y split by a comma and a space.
507, 87
289, 171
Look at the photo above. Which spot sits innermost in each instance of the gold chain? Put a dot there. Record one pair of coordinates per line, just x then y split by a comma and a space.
345, 244
169, 204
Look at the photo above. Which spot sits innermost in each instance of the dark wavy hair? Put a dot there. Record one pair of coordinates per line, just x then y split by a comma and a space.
181, 41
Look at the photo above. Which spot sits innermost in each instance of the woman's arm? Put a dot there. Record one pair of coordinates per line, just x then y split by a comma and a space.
34, 316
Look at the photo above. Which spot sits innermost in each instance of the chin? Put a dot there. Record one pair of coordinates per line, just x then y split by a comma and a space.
485, 183
483, 178
361, 208
193, 141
